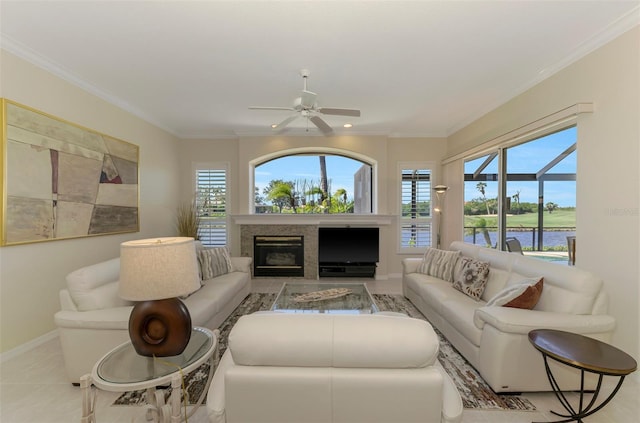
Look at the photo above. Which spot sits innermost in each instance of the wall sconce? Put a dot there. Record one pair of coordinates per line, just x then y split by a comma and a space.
440, 191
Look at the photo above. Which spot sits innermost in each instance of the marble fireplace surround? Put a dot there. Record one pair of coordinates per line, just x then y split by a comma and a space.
305, 225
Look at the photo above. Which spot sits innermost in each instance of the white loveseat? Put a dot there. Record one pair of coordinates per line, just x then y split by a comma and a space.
93, 319
494, 339
291, 368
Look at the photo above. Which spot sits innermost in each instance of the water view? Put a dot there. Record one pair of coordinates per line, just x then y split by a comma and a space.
552, 240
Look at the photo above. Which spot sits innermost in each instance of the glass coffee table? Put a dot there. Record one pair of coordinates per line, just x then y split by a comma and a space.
321, 297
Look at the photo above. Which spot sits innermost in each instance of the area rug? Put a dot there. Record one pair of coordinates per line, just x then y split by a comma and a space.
475, 392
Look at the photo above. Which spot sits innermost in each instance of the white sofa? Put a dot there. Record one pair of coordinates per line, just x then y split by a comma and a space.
494, 339
292, 368
93, 319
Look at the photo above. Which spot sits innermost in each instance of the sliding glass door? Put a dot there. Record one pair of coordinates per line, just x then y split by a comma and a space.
540, 194
481, 185
525, 192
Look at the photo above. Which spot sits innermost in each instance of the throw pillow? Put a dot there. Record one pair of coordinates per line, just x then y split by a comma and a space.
522, 295
439, 263
214, 262
470, 277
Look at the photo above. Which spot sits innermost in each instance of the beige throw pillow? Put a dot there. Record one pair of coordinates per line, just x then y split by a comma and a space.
470, 277
439, 263
214, 262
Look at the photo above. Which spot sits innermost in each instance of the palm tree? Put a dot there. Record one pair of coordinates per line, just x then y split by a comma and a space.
341, 199
313, 192
551, 206
480, 186
516, 198
482, 225
282, 193
324, 183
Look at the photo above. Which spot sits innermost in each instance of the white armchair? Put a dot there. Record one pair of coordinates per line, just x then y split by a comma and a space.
283, 367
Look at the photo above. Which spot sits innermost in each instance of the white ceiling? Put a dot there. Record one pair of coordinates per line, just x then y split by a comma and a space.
414, 68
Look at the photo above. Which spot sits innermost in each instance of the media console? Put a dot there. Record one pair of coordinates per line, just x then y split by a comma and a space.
356, 270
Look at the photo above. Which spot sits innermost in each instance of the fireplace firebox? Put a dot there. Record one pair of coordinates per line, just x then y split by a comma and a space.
278, 255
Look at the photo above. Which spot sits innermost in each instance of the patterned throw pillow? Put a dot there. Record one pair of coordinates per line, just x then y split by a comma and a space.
470, 277
522, 295
214, 262
439, 263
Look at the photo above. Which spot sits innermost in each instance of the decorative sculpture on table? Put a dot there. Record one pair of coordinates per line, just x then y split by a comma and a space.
326, 294
155, 272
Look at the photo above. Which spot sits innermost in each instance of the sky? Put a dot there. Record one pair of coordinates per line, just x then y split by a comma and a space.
340, 171
524, 158
530, 158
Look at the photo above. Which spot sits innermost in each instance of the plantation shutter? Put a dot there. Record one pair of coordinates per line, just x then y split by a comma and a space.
415, 217
211, 189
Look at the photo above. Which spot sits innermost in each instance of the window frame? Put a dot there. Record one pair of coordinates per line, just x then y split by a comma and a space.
501, 154
428, 221
222, 167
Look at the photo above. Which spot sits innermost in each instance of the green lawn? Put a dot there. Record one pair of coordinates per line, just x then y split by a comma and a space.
559, 218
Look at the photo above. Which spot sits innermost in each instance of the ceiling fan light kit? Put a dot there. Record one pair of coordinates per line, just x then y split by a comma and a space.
306, 107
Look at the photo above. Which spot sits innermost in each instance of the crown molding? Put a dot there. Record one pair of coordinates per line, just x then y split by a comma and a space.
54, 68
609, 33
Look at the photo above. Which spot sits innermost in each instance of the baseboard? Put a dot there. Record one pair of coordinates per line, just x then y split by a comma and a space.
27, 346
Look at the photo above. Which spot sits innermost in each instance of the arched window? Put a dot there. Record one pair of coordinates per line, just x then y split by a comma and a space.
313, 183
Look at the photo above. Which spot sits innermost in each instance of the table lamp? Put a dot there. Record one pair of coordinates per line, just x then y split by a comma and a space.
153, 272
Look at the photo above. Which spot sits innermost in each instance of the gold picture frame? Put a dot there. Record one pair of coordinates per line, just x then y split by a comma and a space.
61, 180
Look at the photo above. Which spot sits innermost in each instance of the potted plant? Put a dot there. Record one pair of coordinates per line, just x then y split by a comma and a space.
187, 220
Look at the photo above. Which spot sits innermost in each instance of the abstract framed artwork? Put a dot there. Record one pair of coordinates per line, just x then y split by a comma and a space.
61, 180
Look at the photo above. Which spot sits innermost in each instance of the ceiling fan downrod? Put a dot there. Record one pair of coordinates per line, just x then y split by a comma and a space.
305, 74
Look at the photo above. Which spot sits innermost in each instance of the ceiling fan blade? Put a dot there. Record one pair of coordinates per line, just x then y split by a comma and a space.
339, 112
270, 108
308, 99
285, 122
321, 124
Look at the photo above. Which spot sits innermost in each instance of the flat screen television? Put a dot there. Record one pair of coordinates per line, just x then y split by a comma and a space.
348, 245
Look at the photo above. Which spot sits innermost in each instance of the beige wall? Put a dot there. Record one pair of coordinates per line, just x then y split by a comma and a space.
608, 179
31, 275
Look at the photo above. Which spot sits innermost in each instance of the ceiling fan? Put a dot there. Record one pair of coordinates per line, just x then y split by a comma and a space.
305, 106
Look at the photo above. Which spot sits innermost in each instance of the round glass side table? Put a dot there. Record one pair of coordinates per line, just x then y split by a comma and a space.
122, 370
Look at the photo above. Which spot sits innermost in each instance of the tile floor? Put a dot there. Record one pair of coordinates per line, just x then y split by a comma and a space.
33, 389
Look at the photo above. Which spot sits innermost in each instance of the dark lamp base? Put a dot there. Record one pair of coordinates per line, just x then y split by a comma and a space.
160, 328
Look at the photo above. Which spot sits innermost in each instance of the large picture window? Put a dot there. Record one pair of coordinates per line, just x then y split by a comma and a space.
536, 182
313, 183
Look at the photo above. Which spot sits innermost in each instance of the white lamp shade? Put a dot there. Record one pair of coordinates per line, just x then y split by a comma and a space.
159, 268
